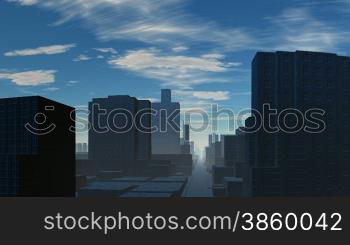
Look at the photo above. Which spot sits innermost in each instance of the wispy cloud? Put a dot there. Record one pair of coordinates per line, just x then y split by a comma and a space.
175, 70
72, 83
203, 96
51, 89
46, 50
212, 95
82, 57
152, 59
25, 2
298, 29
106, 50
152, 100
179, 49
149, 21
30, 78
168, 23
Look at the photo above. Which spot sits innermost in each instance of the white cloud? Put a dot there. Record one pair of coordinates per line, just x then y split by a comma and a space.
30, 78
25, 2
212, 95
174, 70
213, 56
106, 50
72, 83
203, 96
167, 22
82, 57
150, 59
51, 89
297, 29
152, 100
150, 21
179, 49
46, 50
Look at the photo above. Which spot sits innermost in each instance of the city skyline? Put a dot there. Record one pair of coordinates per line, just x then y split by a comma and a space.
75, 55
124, 119
293, 144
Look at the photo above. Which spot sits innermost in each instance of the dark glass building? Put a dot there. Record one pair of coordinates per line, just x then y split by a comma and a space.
301, 163
120, 132
186, 133
37, 148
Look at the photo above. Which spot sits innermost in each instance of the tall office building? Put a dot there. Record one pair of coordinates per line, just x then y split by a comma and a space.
79, 147
192, 147
166, 140
37, 148
186, 133
144, 133
216, 138
210, 139
234, 149
301, 164
119, 134
85, 147
186, 144
236, 156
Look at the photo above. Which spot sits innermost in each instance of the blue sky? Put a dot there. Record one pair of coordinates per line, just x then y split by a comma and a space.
74, 50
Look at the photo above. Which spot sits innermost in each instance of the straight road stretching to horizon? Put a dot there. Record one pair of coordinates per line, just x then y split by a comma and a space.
200, 183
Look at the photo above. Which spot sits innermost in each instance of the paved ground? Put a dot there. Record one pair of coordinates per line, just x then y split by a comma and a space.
199, 184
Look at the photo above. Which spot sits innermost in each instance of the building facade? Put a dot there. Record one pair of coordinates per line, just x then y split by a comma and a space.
299, 163
37, 147
166, 139
120, 132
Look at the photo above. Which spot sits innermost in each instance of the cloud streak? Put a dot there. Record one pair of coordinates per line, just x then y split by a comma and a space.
149, 21
106, 50
82, 57
299, 29
46, 50
212, 95
51, 89
25, 2
203, 96
177, 71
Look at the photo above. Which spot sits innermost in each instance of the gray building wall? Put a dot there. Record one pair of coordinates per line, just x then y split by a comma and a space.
167, 142
117, 143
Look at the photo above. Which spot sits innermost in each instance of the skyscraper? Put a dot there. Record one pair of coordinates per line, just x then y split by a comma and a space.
166, 96
186, 144
144, 133
85, 147
79, 147
166, 140
236, 156
119, 133
37, 147
215, 138
301, 163
210, 139
186, 132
